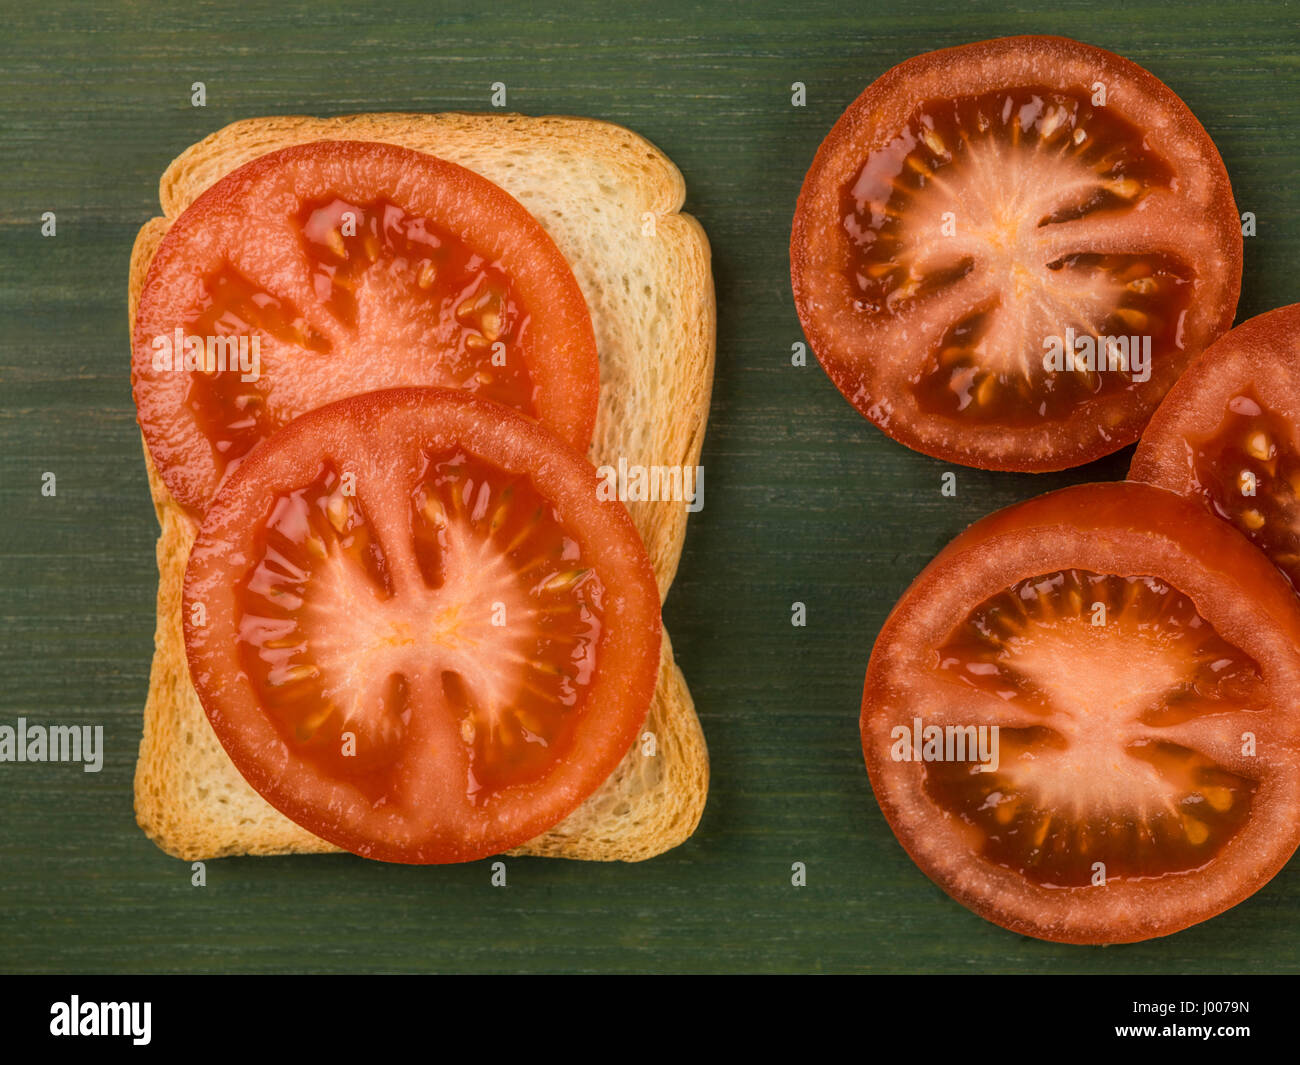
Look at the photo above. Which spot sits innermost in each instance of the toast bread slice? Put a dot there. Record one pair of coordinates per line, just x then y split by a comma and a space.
611, 201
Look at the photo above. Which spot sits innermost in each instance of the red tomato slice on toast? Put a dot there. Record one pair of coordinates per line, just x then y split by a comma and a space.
416, 628
338, 267
1080, 719
1004, 254
1228, 434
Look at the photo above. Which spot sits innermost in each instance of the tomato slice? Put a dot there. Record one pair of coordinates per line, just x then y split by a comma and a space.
1004, 254
1228, 434
346, 267
415, 627
1138, 660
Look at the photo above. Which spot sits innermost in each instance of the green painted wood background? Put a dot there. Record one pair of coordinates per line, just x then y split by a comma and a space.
805, 501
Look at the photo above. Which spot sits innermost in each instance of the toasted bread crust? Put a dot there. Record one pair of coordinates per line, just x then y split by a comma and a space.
644, 270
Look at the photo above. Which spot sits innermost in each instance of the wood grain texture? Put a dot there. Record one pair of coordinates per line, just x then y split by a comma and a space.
804, 500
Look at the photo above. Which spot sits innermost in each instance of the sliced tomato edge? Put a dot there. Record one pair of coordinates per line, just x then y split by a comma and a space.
225, 192
263, 780
1154, 462
1066, 507
898, 429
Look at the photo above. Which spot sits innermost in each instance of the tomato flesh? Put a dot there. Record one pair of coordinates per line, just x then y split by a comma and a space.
1096, 696
353, 267
425, 639
316, 557
1228, 435
1003, 266
954, 158
1079, 720
450, 296
1249, 475
1133, 298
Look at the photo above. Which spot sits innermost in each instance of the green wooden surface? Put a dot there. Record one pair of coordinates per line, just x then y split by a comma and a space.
805, 501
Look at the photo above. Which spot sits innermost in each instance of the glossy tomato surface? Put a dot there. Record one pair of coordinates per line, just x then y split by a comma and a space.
415, 627
1228, 434
1080, 720
1005, 253
338, 267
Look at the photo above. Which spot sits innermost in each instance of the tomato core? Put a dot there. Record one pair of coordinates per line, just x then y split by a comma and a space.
502, 632
1095, 667
956, 186
450, 298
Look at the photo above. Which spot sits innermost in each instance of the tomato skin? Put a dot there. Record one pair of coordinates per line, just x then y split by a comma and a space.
859, 351
1122, 528
381, 435
1260, 358
381, 349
